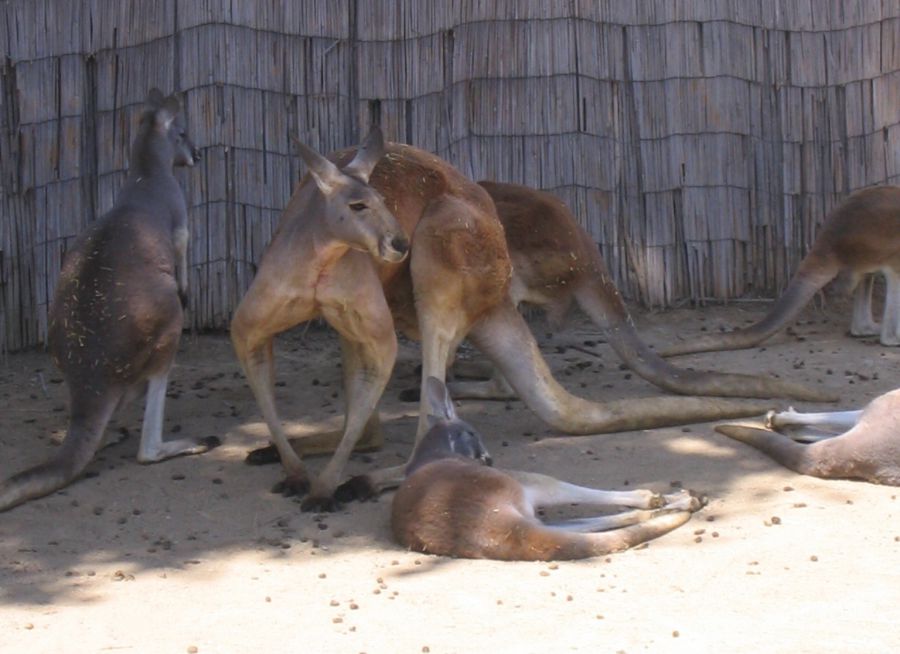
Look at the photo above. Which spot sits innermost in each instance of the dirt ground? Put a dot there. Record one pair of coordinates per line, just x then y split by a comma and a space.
195, 554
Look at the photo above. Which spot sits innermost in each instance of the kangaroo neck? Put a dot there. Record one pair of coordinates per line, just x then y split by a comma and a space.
149, 156
311, 232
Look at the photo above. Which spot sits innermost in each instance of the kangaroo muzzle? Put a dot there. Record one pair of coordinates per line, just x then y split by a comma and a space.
393, 249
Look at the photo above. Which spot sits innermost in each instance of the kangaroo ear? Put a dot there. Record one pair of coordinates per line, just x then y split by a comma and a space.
368, 155
326, 175
440, 405
167, 111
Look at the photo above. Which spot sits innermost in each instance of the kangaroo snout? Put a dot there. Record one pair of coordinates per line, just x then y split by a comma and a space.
394, 249
400, 244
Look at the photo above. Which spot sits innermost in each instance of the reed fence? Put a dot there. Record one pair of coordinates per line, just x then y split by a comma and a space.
701, 142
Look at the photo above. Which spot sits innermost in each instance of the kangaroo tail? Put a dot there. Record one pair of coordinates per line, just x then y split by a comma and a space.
543, 543
608, 311
789, 453
504, 337
804, 285
78, 448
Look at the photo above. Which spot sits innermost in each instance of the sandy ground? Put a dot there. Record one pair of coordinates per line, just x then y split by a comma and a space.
196, 554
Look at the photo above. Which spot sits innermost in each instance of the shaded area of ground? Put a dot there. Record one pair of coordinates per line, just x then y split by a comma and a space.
197, 552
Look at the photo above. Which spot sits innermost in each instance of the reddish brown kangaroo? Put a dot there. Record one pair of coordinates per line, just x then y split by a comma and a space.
858, 238
452, 505
861, 444
116, 317
555, 262
339, 253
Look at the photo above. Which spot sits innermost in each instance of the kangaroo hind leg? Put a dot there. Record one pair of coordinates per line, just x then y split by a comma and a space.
609, 522
862, 323
153, 448
890, 322
812, 427
545, 491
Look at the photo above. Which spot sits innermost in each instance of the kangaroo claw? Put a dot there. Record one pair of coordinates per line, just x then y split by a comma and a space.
357, 488
291, 486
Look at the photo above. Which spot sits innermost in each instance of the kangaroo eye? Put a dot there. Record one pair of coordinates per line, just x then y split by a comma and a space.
357, 206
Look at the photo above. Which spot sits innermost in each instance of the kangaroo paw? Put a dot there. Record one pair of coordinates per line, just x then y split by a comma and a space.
290, 486
357, 488
211, 442
262, 456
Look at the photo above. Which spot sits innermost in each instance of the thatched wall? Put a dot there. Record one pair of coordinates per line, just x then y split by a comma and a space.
701, 142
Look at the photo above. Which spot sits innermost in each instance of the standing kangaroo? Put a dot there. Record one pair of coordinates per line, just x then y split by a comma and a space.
861, 236
452, 505
555, 262
861, 444
117, 315
339, 252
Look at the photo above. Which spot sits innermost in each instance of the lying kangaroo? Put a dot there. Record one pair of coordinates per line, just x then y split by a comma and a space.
451, 504
861, 236
555, 262
339, 253
116, 317
861, 444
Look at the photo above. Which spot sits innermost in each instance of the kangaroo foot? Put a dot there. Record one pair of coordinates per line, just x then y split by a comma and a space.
211, 442
262, 456
685, 500
658, 501
865, 329
169, 449
359, 488
291, 486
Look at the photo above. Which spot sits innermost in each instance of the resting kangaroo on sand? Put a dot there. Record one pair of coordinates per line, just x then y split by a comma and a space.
116, 317
452, 505
339, 253
861, 236
555, 262
861, 444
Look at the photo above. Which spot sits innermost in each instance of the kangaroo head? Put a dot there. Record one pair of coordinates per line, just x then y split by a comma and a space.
354, 212
448, 436
164, 124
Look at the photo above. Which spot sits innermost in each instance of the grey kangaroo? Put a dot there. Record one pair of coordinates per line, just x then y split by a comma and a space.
117, 314
452, 505
863, 444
